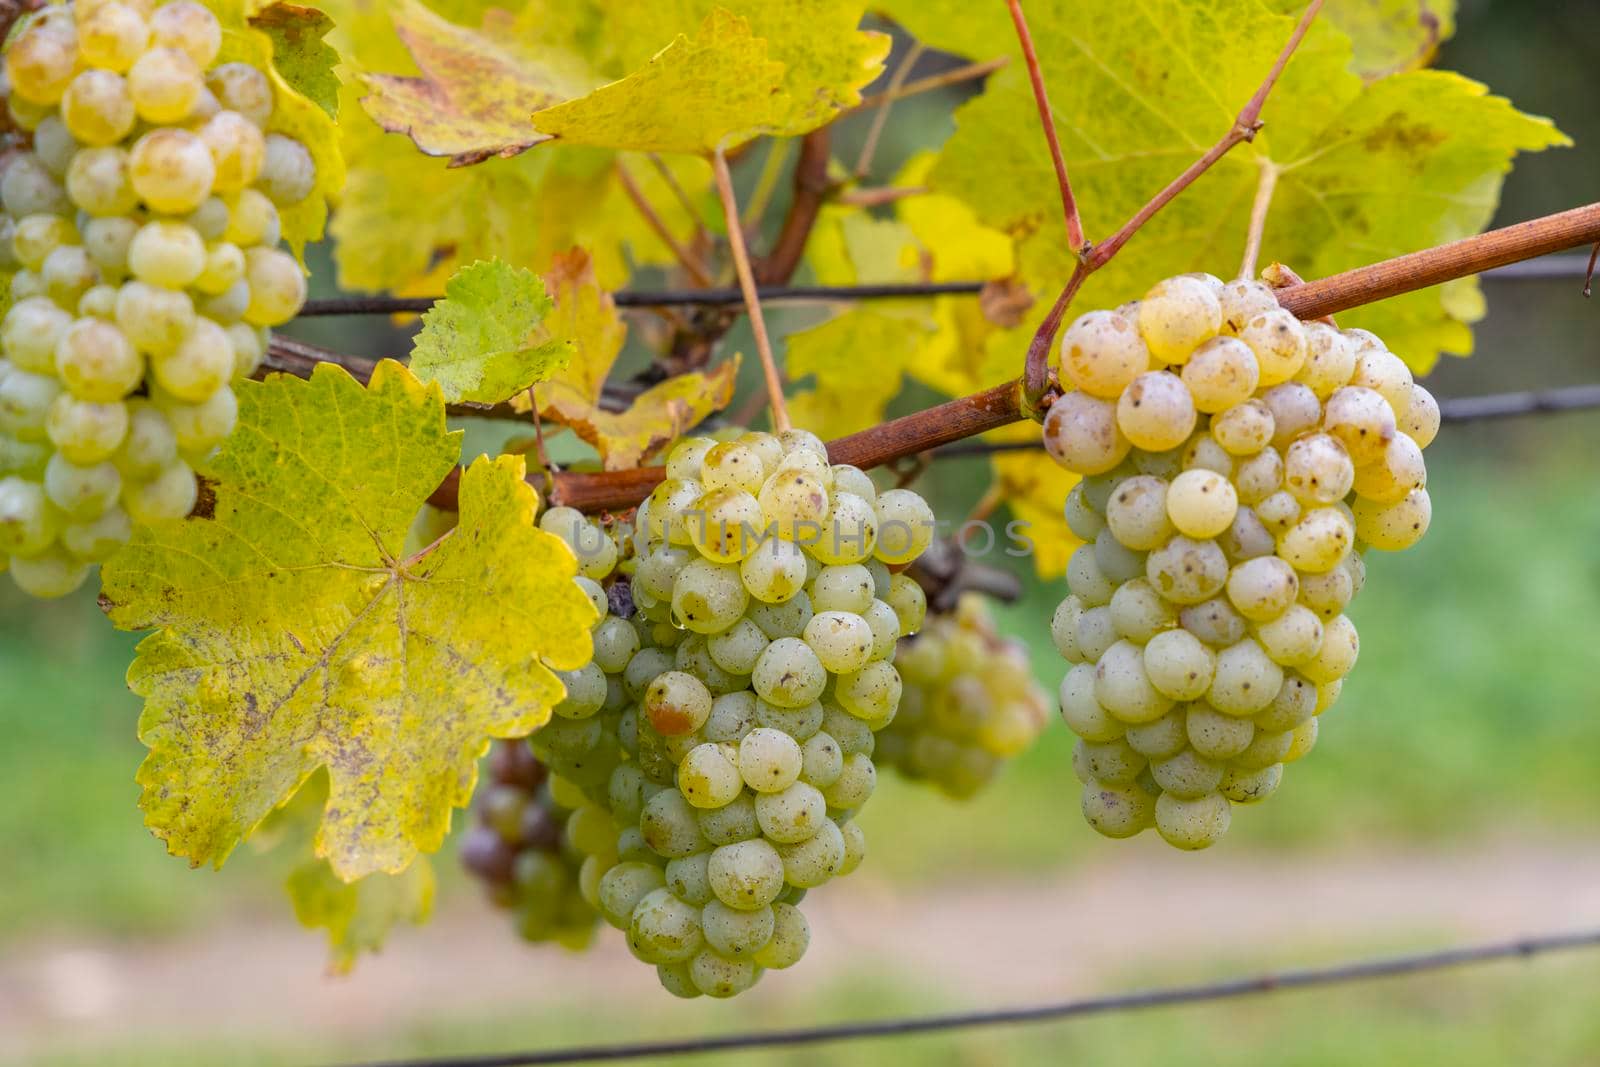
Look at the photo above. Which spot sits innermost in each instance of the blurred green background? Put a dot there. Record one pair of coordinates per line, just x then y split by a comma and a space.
1454, 793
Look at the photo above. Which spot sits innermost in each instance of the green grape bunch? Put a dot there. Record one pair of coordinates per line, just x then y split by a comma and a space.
1236, 465
140, 231
717, 748
970, 703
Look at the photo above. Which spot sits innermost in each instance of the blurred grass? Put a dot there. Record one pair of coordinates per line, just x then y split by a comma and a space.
1506, 1013
1472, 710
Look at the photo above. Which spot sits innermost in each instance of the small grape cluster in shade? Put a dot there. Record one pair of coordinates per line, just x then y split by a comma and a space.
141, 230
1236, 464
970, 703
521, 845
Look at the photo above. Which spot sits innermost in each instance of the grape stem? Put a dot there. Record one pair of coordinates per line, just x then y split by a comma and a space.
1069, 203
1036, 372
1265, 187
752, 300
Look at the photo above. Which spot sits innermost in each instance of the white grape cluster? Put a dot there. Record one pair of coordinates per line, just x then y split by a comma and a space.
142, 230
724, 733
522, 847
1236, 463
970, 703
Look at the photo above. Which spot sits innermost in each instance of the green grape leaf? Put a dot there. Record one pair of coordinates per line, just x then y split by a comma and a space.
475, 95
304, 59
293, 114
292, 635
1388, 36
696, 95
359, 915
477, 341
1365, 172
572, 397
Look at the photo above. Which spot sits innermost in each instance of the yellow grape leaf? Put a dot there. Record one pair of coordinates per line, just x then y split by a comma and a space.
293, 114
586, 313
1388, 36
954, 245
475, 95
304, 59
359, 915
292, 634
696, 95
827, 59
1139, 91
477, 342
856, 359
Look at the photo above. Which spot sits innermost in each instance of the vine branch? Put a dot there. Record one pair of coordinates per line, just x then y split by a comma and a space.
1002, 405
1036, 373
1069, 203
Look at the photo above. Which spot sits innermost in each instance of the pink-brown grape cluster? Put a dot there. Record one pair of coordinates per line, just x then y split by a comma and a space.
521, 846
1236, 464
141, 231
970, 703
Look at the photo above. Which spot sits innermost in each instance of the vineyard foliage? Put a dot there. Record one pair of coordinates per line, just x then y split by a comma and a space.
315, 679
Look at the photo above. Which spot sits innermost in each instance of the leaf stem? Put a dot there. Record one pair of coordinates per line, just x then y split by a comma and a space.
752, 301
1245, 127
1069, 203
869, 146
1258, 217
685, 258
690, 208
887, 194
954, 76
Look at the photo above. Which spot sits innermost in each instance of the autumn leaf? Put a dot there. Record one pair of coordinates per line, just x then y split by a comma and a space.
1364, 172
780, 67
1387, 36
296, 32
299, 52
856, 360
696, 95
359, 915
291, 635
475, 93
587, 314
477, 342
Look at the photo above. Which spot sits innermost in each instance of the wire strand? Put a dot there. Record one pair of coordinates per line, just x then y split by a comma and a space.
1207, 992
1560, 267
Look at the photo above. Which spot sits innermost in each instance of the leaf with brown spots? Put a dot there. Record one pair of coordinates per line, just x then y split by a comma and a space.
586, 315
292, 632
475, 95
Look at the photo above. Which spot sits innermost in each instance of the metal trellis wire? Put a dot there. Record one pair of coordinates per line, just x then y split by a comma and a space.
1362, 970
1573, 267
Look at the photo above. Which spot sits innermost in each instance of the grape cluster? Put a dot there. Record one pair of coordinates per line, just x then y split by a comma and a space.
970, 702
522, 847
142, 230
726, 726
1236, 463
